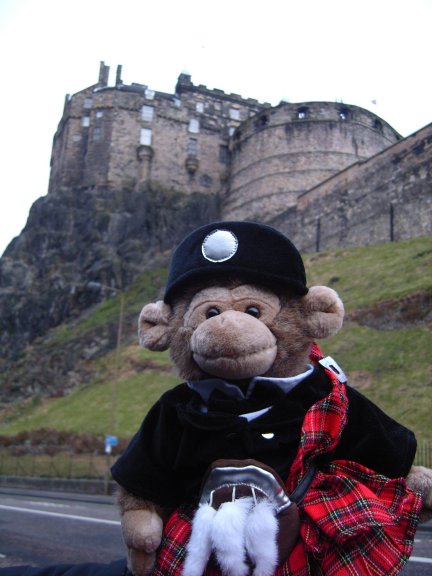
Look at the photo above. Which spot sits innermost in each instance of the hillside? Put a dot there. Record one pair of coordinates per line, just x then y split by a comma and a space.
384, 347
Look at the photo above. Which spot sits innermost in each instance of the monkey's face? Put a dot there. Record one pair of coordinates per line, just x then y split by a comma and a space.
230, 335
236, 331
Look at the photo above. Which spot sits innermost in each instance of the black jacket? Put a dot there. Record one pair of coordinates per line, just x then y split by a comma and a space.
166, 460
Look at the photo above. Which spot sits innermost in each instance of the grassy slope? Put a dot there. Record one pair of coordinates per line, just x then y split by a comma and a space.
393, 364
368, 275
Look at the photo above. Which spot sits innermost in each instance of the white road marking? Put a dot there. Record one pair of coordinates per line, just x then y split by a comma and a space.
60, 515
421, 559
48, 504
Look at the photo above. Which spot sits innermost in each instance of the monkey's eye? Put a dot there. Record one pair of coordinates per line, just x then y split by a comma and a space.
213, 311
253, 311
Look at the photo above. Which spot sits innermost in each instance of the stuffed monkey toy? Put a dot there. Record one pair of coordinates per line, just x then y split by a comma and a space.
264, 461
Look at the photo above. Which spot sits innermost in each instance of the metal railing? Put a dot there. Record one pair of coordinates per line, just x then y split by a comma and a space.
60, 465
424, 453
96, 466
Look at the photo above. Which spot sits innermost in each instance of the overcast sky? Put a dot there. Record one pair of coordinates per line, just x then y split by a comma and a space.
375, 54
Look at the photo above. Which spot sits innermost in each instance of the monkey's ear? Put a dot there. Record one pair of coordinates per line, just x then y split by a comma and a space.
324, 312
153, 326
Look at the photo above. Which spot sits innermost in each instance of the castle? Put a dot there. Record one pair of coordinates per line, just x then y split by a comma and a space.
133, 170
324, 173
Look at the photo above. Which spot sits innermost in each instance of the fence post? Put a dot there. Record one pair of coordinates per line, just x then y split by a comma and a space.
424, 453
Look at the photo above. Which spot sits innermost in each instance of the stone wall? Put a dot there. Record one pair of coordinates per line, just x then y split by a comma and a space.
287, 150
385, 198
125, 135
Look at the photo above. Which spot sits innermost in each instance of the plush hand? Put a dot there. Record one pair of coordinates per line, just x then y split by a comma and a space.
245, 518
419, 479
142, 533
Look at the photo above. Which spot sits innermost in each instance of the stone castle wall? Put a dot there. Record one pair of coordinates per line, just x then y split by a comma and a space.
283, 152
386, 198
122, 136
327, 174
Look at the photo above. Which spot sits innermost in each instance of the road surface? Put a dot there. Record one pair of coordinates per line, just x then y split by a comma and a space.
42, 528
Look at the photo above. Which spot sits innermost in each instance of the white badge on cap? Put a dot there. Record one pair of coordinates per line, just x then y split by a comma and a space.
219, 246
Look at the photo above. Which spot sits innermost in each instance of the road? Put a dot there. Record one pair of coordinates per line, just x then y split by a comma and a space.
42, 528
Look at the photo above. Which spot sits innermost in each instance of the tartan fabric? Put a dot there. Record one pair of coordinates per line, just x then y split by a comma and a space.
172, 551
358, 522
354, 521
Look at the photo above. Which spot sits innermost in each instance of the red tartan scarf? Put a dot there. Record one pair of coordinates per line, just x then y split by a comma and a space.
354, 521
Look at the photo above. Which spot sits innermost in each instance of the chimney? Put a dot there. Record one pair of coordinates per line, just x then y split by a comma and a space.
103, 74
184, 81
118, 75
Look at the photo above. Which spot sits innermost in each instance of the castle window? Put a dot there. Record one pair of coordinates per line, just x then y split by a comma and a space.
99, 114
192, 147
97, 134
194, 126
234, 114
147, 113
261, 121
302, 113
343, 113
231, 130
149, 94
378, 125
146, 137
224, 154
88, 102
200, 107
85, 121
205, 180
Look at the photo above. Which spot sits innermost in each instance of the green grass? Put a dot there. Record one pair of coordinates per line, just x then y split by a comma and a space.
396, 367
367, 275
90, 408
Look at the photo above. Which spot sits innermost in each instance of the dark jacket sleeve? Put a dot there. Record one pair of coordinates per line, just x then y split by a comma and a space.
374, 439
145, 469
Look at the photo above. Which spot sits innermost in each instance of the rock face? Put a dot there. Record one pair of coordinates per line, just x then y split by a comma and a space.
79, 246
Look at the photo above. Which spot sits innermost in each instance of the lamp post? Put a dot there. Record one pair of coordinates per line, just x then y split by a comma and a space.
117, 367
111, 439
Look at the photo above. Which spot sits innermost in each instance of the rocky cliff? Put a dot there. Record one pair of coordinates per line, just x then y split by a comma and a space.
83, 245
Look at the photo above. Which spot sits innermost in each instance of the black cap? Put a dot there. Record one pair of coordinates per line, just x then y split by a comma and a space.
255, 252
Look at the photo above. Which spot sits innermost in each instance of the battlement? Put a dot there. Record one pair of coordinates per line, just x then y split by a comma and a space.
184, 84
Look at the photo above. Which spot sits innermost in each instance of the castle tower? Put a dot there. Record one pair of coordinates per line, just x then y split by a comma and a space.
124, 136
284, 151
